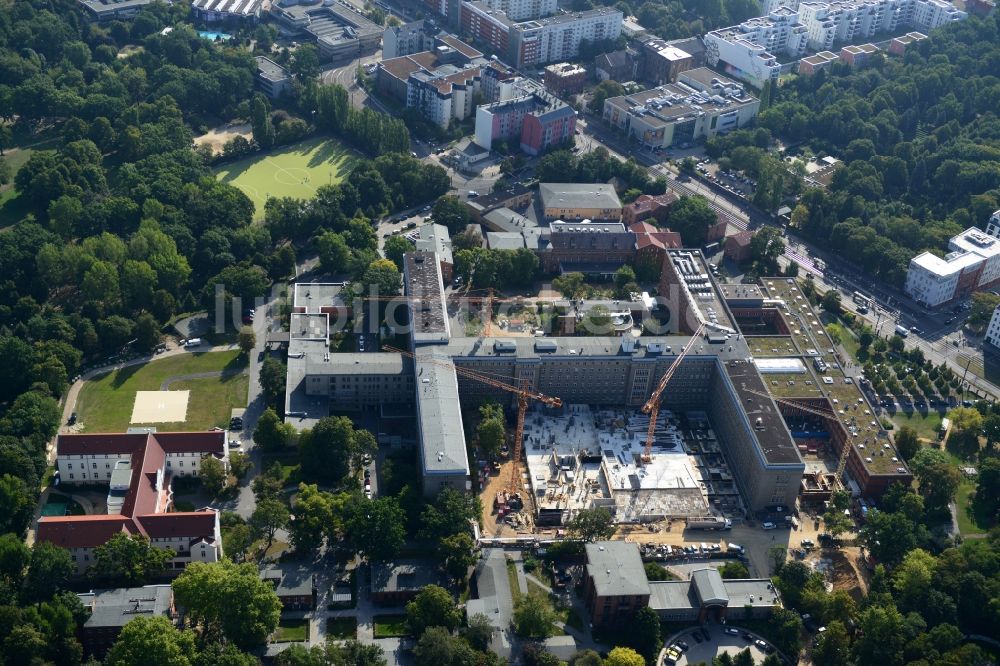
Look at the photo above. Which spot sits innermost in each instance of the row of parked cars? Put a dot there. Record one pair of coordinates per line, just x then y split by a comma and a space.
701, 634
662, 552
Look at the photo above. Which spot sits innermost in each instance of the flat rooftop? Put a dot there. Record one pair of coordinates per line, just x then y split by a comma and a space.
579, 195
775, 441
439, 414
311, 296
305, 326
116, 607
271, 70
426, 304
700, 290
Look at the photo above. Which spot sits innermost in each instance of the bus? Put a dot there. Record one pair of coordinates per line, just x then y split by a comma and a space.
862, 300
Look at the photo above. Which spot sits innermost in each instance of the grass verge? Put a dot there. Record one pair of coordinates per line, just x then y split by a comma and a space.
389, 626
290, 631
341, 628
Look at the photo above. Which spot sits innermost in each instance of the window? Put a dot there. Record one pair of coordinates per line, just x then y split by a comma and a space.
95, 465
69, 465
71, 476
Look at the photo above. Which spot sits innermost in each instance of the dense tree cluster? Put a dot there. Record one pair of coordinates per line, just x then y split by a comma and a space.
598, 166
918, 136
676, 19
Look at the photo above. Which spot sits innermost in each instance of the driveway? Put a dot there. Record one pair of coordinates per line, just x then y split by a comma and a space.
717, 644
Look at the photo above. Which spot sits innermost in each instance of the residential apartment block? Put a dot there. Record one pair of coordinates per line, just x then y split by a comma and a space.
701, 104
565, 78
972, 264
747, 51
663, 62
523, 10
538, 41
993, 330
138, 469
402, 40
524, 114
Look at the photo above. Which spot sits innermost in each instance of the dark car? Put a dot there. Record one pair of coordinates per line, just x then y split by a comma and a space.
72, 419
747, 636
682, 645
697, 636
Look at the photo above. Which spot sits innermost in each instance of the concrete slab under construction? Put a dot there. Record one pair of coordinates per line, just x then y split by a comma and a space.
582, 458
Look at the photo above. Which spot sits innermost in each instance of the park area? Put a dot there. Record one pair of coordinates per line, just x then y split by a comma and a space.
216, 381
290, 171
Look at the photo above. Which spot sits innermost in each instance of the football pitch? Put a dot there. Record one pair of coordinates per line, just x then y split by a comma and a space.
289, 171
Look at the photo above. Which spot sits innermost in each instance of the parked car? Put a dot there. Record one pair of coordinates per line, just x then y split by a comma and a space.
72, 419
731, 632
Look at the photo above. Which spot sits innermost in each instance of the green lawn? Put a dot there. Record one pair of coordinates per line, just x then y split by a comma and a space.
291, 171
105, 404
291, 630
388, 626
341, 628
927, 427
967, 520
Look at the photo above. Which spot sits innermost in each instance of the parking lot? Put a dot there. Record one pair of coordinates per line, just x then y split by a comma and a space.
699, 650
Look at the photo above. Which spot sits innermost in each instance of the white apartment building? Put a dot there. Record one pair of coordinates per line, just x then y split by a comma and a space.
523, 10
847, 21
993, 330
746, 51
558, 38
973, 263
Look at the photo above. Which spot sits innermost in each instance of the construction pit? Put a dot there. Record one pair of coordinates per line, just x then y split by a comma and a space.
581, 457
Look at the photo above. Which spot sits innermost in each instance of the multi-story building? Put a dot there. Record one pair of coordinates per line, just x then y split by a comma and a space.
746, 51
138, 468
617, 65
615, 585
402, 40
931, 14
663, 62
435, 238
539, 41
592, 248
651, 244
110, 610
993, 225
523, 10
109, 10
972, 263
596, 202
211, 11
701, 104
649, 207
993, 330
339, 31
899, 45
525, 113
812, 64
857, 55
565, 78
440, 84
272, 78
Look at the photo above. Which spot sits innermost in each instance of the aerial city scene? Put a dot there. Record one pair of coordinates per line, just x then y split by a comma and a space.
489, 332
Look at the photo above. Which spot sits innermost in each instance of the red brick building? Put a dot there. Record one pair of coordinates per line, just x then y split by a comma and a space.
738, 247
647, 206
615, 584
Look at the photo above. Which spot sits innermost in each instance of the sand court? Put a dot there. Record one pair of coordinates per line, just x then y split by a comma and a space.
160, 407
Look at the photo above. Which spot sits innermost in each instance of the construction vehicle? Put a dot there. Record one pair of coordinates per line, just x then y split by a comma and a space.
652, 406
709, 523
523, 392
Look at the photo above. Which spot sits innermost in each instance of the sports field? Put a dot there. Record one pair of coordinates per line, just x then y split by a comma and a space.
290, 171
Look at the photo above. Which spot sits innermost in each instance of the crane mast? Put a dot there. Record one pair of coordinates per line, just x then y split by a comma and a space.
652, 406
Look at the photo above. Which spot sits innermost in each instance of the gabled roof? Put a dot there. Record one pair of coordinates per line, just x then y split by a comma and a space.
82, 531
208, 441
193, 524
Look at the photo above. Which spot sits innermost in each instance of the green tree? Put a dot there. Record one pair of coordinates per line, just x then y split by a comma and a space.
451, 212
382, 278
981, 311
623, 656
831, 301
592, 524
147, 332
586, 658
314, 518
691, 217
213, 475
645, 634
988, 488
272, 381
131, 559
602, 92
883, 636
479, 632
16, 504
432, 607
734, 570
334, 253
247, 340
570, 285
328, 450
906, 442
458, 554
236, 541
533, 617
937, 478
260, 121
656, 571
271, 434
48, 570
269, 517
305, 63
836, 520
833, 647
152, 640
912, 578
14, 558
376, 527
239, 464
450, 513
395, 248
437, 647
230, 600
490, 435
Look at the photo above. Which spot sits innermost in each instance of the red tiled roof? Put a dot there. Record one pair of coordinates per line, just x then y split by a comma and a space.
207, 441
143, 495
82, 531
642, 228
194, 524
741, 238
